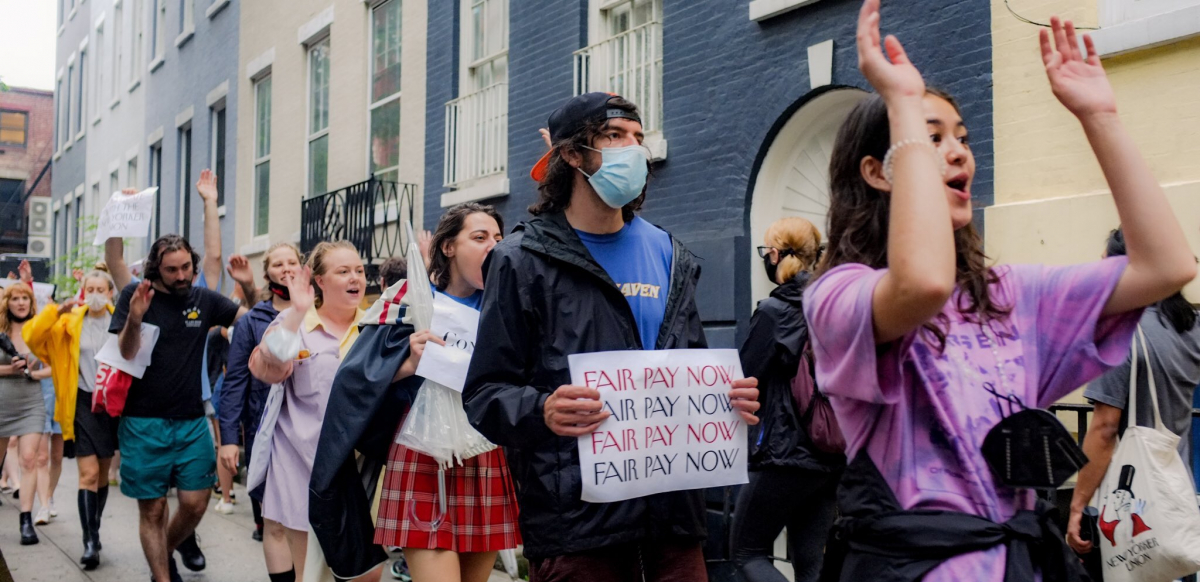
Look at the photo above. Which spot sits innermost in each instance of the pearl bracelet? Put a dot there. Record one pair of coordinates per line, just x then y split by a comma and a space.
889, 160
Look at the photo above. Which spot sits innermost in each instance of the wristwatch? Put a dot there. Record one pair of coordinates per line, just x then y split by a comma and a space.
28, 376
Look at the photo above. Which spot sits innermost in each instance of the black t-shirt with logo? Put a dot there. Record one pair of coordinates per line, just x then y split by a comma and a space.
171, 386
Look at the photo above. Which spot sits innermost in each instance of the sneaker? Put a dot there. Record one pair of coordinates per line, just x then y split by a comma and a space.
222, 507
43, 517
53, 510
189, 550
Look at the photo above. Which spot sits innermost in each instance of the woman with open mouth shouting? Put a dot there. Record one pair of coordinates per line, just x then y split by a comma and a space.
302, 350
924, 349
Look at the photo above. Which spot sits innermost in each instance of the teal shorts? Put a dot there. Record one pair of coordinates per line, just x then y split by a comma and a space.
160, 453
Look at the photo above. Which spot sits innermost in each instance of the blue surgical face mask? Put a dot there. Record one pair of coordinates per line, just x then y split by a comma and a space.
622, 174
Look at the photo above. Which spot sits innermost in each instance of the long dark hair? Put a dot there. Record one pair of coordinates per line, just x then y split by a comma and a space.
858, 218
448, 227
1175, 310
554, 191
168, 243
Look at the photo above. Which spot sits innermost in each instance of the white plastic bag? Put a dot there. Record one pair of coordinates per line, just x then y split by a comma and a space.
1149, 522
436, 424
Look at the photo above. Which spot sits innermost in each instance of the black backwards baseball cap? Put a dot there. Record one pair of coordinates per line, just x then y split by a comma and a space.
573, 116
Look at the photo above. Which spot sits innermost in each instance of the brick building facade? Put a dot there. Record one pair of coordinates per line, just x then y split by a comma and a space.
26, 145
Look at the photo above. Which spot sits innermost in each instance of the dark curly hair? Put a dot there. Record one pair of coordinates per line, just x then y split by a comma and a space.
450, 225
1175, 310
858, 218
167, 243
554, 191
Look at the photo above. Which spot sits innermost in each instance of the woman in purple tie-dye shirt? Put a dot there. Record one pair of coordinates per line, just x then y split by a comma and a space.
919, 342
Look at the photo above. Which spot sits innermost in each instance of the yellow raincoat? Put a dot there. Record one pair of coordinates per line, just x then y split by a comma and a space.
55, 341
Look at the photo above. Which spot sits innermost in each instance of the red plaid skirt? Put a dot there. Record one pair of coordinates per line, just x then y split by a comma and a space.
481, 504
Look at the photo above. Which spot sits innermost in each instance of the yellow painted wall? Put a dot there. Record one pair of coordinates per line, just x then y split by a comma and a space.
1052, 204
274, 24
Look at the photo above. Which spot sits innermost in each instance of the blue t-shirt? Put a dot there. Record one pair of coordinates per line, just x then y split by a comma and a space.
638, 258
475, 301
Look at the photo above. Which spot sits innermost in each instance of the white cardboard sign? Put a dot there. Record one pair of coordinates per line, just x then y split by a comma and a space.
457, 325
126, 215
672, 426
110, 352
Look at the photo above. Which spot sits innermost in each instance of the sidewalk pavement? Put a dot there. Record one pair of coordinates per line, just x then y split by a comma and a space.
231, 554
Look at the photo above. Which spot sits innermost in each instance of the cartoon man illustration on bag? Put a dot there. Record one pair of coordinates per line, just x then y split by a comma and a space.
1127, 508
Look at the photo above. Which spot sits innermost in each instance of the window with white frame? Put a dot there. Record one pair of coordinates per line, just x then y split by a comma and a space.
625, 57
477, 121
114, 181
136, 62
131, 173
262, 155
58, 116
159, 19
156, 181
187, 14
216, 150
318, 117
98, 77
68, 99
385, 91
118, 53
95, 201
184, 172
81, 102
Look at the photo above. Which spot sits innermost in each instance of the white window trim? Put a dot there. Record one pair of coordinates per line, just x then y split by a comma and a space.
185, 36
466, 43
492, 186
308, 132
215, 8
83, 97
184, 117
655, 140
1149, 32
214, 107
315, 30
257, 245
761, 10
260, 66
137, 25
216, 98
184, 185
373, 105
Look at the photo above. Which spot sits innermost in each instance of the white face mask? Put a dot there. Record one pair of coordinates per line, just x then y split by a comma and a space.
96, 301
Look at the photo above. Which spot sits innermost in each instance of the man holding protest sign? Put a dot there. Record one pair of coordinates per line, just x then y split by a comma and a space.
584, 276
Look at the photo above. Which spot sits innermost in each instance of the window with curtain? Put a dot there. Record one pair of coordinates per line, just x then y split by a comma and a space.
318, 118
262, 155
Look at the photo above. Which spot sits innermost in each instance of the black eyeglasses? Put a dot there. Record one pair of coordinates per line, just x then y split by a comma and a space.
764, 251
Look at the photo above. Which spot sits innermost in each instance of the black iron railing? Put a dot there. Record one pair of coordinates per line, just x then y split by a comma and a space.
368, 214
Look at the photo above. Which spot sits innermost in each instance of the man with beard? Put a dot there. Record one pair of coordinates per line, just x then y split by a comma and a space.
164, 437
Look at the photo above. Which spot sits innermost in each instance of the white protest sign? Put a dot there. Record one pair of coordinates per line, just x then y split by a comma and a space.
456, 324
672, 425
126, 215
110, 352
43, 292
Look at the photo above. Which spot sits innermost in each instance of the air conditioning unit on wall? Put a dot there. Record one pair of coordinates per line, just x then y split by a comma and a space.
39, 219
39, 246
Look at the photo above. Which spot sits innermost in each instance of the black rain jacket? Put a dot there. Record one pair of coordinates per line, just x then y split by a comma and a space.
771, 353
365, 409
546, 298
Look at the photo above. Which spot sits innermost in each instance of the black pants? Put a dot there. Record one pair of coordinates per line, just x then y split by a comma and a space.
801, 500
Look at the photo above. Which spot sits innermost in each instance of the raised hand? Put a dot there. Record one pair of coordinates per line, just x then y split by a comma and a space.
66, 306
206, 186
140, 302
129, 191
424, 243
897, 79
25, 271
545, 133
1078, 82
300, 290
239, 270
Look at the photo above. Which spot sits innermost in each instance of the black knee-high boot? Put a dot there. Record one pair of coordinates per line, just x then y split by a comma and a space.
28, 534
102, 500
88, 500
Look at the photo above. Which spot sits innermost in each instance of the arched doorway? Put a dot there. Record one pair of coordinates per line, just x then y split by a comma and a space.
793, 179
